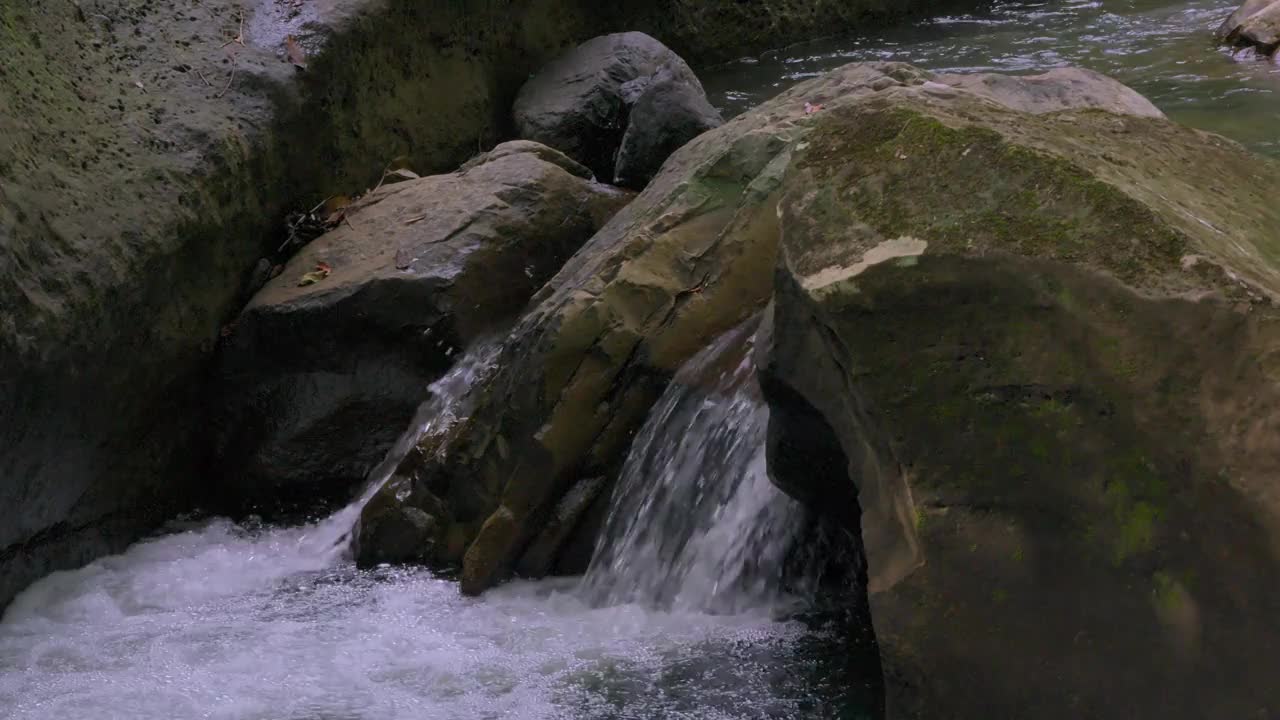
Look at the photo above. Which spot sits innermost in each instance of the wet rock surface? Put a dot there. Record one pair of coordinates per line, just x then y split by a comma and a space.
1256, 24
323, 369
690, 258
1043, 351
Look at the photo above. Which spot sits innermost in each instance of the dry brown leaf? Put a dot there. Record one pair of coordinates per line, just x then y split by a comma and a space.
403, 173
335, 209
336, 203
296, 54
321, 272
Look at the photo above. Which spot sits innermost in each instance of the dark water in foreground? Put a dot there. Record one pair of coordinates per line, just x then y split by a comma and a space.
1163, 49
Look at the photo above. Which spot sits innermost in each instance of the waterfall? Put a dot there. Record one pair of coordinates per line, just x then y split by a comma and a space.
694, 522
444, 406
245, 621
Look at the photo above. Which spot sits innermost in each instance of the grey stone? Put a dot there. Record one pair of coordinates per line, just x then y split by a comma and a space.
318, 380
668, 114
581, 102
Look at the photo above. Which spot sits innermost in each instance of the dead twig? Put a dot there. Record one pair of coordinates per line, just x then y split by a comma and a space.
231, 78
239, 38
202, 77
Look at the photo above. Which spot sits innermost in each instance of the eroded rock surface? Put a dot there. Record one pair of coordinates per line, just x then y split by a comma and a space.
319, 378
1045, 345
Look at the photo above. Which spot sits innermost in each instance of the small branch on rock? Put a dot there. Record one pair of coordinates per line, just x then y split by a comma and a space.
239, 38
230, 78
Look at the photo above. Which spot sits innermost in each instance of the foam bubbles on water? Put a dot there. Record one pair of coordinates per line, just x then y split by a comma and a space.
222, 622
228, 622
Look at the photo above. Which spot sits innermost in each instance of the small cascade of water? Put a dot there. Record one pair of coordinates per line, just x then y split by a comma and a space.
244, 622
695, 523
329, 539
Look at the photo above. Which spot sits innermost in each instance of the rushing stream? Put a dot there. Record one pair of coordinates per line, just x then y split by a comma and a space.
236, 622
1164, 49
681, 614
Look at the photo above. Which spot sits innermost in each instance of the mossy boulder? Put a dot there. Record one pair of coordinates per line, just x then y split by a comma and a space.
1044, 346
323, 369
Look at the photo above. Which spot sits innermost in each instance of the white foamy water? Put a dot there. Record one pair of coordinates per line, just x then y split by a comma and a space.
230, 622
221, 622
695, 522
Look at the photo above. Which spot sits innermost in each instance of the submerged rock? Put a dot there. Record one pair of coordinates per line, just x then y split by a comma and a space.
321, 375
1254, 24
1044, 347
582, 104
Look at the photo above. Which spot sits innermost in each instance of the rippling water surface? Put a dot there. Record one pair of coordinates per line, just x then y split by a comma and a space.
1163, 49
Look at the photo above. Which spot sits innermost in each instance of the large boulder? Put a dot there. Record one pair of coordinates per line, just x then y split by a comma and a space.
690, 258
582, 104
1047, 348
1254, 24
323, 369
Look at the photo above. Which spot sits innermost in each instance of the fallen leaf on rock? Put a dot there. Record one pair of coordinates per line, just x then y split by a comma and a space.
335, 209
321, 272
403, 173
336, 203
810, 108
295, 52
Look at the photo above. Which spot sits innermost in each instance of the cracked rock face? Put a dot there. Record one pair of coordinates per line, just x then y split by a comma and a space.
1043, 336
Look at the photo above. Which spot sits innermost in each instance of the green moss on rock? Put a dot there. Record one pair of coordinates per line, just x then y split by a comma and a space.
1041, 330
